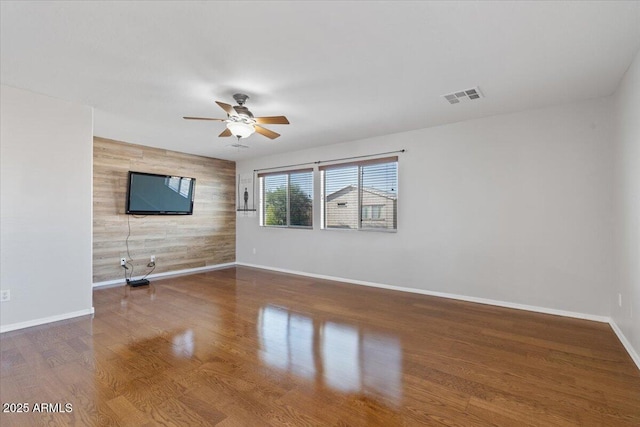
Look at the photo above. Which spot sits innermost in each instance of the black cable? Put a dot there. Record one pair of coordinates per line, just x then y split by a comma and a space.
127, 239
126, 242
131, 272
145, 276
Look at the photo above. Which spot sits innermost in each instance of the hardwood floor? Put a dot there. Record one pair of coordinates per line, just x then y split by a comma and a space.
247, 347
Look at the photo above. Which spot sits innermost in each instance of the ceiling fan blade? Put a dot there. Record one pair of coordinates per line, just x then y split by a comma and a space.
228, 108
204, 118
275, 120
266, 132
226, 132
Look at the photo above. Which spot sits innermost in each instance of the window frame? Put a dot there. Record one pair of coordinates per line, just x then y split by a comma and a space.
263, 201
360, 165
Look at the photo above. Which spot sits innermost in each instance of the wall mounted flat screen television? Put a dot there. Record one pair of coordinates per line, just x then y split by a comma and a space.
152, 194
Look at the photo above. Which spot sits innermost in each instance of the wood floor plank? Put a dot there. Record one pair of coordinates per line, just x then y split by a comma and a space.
248, 347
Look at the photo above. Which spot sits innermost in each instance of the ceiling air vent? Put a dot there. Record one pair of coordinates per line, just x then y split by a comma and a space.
463, 95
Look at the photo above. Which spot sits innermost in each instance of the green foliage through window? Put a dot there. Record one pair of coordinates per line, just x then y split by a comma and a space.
288, 199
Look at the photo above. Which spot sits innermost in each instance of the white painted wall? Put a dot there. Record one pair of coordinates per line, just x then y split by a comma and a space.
45, 203
514, 208
627, 206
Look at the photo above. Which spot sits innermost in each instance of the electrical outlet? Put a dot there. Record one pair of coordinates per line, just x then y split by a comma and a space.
123, 261
5, 295
619, 300
254, 251
153, 258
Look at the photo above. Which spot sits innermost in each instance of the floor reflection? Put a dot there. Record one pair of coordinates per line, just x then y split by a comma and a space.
150, 290
339, 356
183, 344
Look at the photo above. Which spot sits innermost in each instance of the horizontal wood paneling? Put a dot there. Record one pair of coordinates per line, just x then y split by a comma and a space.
207, 237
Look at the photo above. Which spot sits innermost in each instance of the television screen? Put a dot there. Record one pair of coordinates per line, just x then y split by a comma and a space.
152, 194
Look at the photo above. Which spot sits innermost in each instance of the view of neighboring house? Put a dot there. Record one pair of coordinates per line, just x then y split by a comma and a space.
379, 208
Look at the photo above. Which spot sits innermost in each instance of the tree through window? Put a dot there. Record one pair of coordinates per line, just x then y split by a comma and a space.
286, 199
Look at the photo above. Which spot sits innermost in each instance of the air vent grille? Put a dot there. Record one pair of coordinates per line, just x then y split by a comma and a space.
463, 95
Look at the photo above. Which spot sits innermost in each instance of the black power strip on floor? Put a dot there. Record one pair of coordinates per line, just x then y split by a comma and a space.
136, 283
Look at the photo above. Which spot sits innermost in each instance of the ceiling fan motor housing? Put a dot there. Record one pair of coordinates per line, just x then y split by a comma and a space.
243, 111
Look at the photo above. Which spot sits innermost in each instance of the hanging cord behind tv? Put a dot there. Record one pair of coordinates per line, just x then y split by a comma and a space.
126, 241
129, 259
129, 281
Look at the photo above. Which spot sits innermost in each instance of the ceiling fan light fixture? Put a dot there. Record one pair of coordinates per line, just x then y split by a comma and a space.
241, 129
241, 123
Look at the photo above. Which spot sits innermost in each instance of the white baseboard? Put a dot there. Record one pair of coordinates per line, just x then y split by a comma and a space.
625, 342
585, 316
43, 320
167, 274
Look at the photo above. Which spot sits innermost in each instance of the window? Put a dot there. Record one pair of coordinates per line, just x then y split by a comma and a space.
372, 212
286, 199
360, 196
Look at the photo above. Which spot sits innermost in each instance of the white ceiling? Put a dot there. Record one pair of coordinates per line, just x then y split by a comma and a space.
340, 71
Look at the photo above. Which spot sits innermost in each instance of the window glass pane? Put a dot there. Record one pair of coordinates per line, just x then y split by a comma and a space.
380, 195
341, 200
275, 199
301, 199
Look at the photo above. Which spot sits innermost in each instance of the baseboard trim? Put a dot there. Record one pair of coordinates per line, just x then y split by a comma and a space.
505, 304
43, 320
625, 342
167, 274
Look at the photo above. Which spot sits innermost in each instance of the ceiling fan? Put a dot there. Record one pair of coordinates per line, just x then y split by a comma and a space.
240, 121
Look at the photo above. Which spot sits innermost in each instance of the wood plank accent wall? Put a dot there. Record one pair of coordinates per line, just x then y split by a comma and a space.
207, 237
